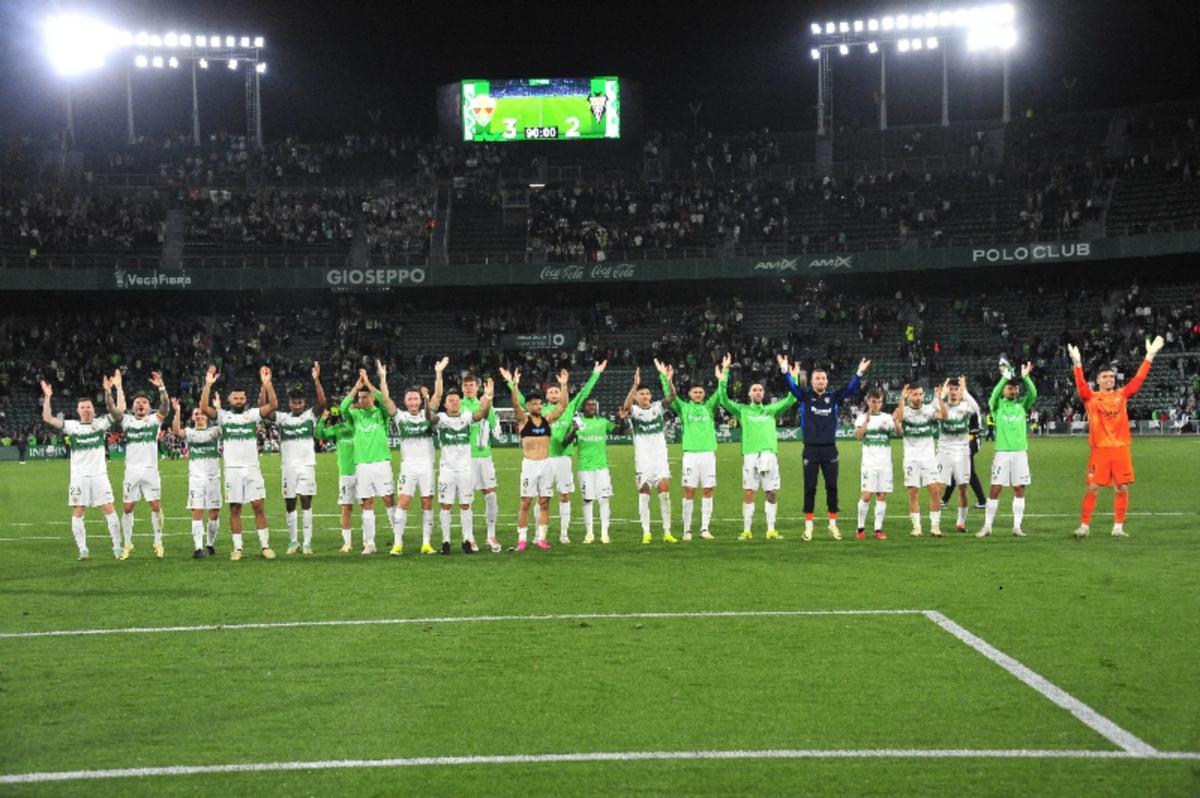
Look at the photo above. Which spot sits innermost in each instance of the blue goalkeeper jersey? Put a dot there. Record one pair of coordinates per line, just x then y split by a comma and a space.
819, 413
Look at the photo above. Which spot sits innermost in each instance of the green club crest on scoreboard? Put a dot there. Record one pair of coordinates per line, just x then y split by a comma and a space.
541, 109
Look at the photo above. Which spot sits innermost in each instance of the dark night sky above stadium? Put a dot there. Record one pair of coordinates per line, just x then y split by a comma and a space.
746, 62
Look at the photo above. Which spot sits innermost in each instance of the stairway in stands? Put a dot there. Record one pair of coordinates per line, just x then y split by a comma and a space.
172, 249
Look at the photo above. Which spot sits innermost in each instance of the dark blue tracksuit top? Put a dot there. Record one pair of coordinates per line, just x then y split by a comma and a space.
819, 414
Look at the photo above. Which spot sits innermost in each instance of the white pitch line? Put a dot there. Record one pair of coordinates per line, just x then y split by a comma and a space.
583, 616
1085, 714
599, 756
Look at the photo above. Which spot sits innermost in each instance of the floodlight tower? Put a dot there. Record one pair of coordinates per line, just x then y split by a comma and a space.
984, 28
78, 44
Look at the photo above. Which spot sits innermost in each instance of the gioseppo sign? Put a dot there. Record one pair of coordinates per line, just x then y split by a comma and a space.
1032, 252
374, 277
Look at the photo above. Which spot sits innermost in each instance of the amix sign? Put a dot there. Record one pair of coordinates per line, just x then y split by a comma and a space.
1032, 252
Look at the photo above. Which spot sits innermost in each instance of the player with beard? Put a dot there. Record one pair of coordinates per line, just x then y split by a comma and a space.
204, 475
651, 468
298, 458
367, 410
243, 474
456, 482
141, 428
416, 464
537, 479
483, 469
699, 448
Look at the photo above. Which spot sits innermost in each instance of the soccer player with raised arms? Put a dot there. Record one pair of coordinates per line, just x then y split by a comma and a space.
560, 451
456, 483
919, 426
875, 429
591, 430
537, 480
204, 475
650, 464
954, 444
760, 449
1110, 463
142, 482
333, 426
89, 485
699, 448
298, 458
416, 464
819, 410
1010, 466
368, 410
243, 474
483, 468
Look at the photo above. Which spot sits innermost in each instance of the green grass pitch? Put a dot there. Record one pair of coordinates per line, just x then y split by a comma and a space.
1114, 623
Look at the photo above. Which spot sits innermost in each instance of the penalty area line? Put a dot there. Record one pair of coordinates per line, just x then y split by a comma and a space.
599, 756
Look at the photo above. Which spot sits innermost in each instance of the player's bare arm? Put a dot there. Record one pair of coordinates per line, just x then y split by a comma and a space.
47, 415
513, 380
176, 425
319, 405
564, 379
164, 400
210, 378
267, 408
439, 369
942, 393
116, 410
637, 380
388, 404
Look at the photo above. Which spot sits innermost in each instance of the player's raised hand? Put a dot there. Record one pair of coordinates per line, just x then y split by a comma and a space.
1153, 347
944, 392
637, 377
47, 391
381, 370
962, 381
216, 400
797, 372
424, 393
1026, 369
117, 377
175, 405
670, 372
489, 388
107, 383
440, 366
904, 392
264, 374
600, 366
362, 378
516, 376
156, 380
660, 366
863, 365
316, 371
782, 360
505, 374
718, 371
564, 377
211, 376
727, 361
1076, 357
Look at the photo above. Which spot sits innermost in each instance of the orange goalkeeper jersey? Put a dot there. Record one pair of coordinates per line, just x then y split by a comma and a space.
1107, 411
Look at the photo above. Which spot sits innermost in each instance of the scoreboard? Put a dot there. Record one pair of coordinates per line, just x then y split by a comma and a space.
541, 109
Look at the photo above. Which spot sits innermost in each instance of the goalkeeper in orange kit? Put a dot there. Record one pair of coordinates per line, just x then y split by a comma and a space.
1108, 435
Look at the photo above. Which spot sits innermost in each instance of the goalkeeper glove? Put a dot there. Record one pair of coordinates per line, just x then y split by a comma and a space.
1153, 347
1006, 369
1073, 351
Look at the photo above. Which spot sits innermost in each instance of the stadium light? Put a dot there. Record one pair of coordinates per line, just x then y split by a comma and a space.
171, 40
173, 62
261, 67
78, 44
156, 62
259, 42
141, 62
233, 63
185, 40
989, 27
203, 63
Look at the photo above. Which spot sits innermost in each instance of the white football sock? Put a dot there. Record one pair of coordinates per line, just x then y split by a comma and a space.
664, 507
156, 524
962, 516
127, 527
916, 520
564, 517
688, 506
863, 508
368, 527
935, 519
347, 537
989, 514
291, 527
747, 517
391, 514
444, 517
880, 513
213, 528
1018, 507
541, 531
491, 510
605, 516
114, 528
589, 514
770, 508
237, 541
644, 512
467, 519
522, 533
263, 538
306, 522
79, 531
398, 526
198, 534
706, 510
427, 523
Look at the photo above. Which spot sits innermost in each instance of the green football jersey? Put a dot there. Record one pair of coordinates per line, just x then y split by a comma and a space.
370, 431
1011, 416
592, 438
757, 421
343, 436
481, 431
697, 419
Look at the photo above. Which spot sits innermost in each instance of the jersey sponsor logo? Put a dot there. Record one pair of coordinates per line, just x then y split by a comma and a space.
1037, 252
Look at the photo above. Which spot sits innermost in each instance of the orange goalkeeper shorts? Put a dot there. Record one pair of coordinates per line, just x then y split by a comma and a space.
1109, 465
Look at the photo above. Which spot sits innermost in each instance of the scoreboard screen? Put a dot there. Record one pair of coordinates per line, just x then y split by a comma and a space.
541, 109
